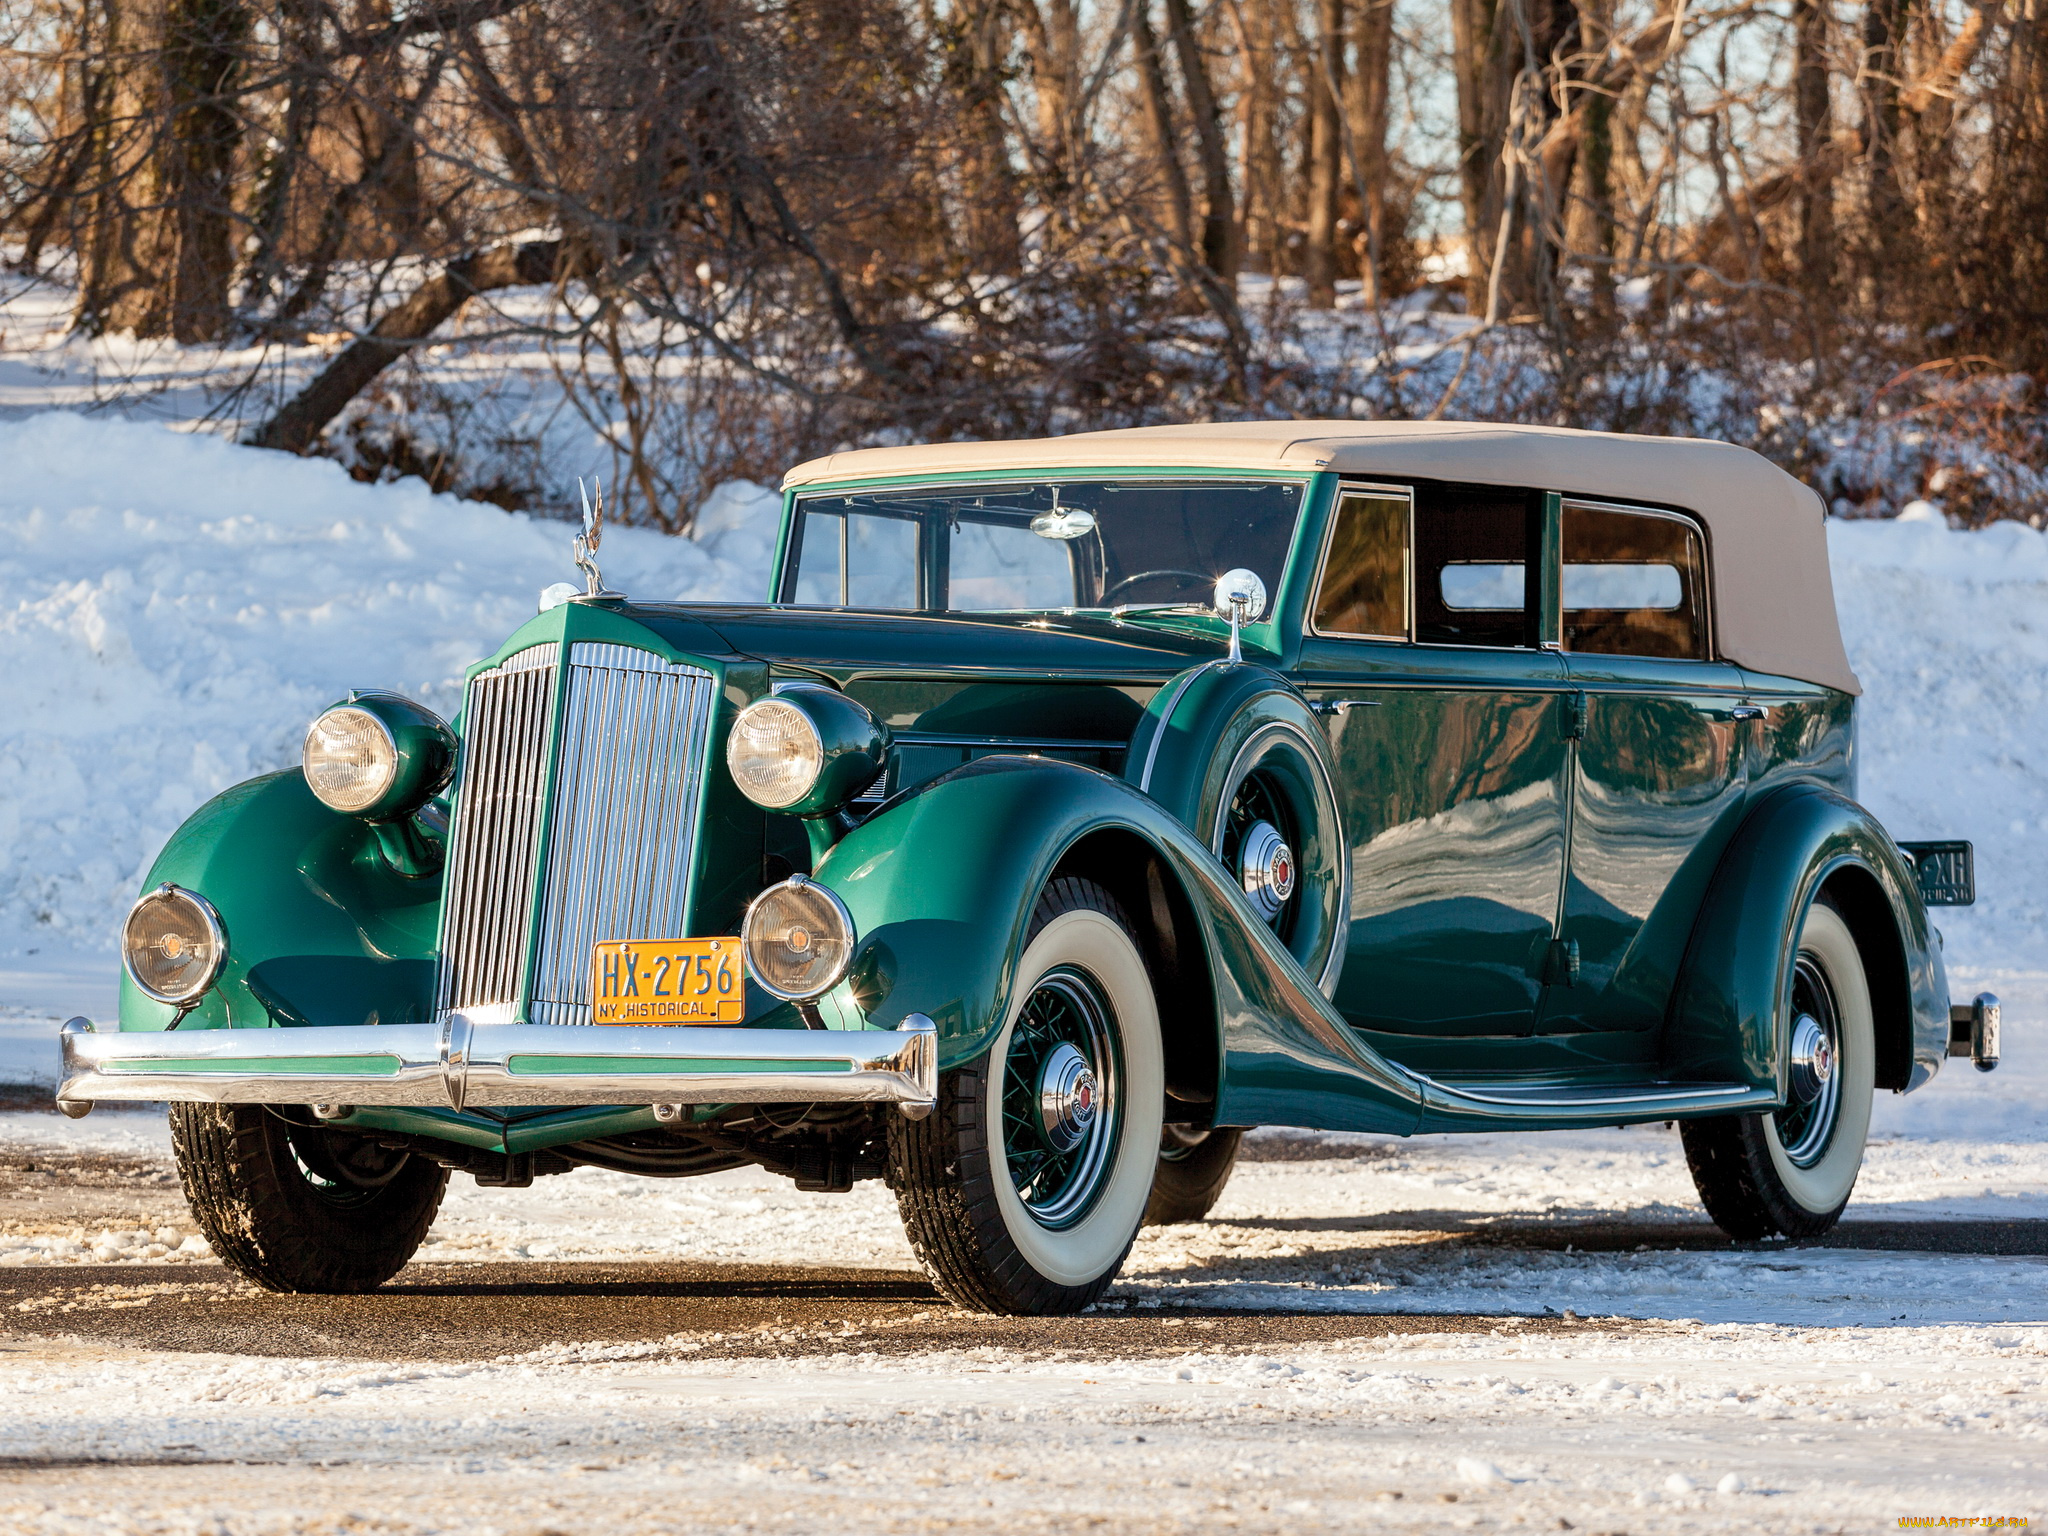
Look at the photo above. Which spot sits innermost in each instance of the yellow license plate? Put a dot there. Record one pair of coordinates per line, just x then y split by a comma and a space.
667, 981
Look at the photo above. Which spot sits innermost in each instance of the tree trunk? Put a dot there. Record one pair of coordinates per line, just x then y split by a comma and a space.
1815, 121
297, 425
1052, 36
1159, 119
1260, 169
1597, 166
1890, 249
1472, 48
384, 107
992, 204
298, 52
1325, 152
1220, 250
159, 256
1365, 105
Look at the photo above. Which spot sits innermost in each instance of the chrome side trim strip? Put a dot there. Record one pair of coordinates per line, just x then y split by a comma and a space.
1564, 1097
1010, 743
460, 1063
1180, 687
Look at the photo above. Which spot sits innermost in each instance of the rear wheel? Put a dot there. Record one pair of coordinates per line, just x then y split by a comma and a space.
1023, 1189
301, 1207
1194, 1165
1790, 1172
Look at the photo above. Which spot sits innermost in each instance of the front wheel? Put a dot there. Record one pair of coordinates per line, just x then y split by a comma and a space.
302, 1208
1790, 1172
1024, 1188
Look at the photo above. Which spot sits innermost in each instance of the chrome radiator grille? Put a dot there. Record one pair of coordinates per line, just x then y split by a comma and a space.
620, 837
625, 820
488, 894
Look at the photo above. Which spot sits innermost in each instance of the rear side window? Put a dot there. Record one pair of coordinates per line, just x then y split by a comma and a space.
1472, 570
1635, 583
1365, 575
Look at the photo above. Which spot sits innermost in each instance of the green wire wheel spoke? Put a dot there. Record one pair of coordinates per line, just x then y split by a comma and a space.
1059, 1109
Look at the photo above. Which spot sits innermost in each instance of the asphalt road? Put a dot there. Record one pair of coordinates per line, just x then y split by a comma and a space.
468, 1311
472, 1311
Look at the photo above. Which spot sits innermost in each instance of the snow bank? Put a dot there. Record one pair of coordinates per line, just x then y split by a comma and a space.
1949, 634
179, 607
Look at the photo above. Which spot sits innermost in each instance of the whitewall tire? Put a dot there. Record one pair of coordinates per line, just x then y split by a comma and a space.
1022, 1191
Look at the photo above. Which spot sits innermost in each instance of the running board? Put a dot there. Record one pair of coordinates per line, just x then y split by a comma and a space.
1509, 1100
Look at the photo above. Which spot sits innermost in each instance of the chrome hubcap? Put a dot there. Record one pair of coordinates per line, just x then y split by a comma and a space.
1813, 1059
1067, 1096
1806, 1125
1266, 869
1060, 1109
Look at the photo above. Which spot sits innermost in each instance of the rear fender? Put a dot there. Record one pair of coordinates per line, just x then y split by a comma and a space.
941, 885
320, 929
1795, 844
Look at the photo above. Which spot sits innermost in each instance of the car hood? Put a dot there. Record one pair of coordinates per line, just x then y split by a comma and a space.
842, 643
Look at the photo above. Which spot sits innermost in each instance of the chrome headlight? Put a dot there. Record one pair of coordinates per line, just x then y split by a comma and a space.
807, 751
798, 939
378, 756
173, 944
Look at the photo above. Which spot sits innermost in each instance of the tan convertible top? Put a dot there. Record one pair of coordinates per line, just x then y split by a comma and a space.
1774, 605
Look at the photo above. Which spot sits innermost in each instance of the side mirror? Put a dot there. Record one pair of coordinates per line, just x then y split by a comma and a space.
1240, 597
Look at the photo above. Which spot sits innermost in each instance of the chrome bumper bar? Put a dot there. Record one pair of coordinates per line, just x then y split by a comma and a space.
460, 1063
1973, 1031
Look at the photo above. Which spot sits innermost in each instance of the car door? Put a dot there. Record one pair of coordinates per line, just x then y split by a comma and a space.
1656, 763
1445, 722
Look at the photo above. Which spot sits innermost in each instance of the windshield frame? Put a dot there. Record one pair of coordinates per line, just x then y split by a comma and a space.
1306, 518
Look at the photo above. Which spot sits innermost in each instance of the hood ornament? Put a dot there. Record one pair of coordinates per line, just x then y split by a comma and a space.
587, 541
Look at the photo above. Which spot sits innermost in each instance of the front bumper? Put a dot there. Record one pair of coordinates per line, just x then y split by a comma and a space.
461, 1063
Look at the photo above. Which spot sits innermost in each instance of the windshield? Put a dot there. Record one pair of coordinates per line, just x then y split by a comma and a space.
1070, 544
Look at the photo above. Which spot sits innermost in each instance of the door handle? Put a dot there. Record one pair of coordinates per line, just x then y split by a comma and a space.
1746, 712
1333, 709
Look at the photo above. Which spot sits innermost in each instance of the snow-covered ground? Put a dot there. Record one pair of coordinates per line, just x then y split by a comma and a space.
1798, 1390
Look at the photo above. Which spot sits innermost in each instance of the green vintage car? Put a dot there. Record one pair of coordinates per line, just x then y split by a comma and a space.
1070, 807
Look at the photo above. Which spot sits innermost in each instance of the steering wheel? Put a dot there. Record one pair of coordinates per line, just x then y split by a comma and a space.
1132, 581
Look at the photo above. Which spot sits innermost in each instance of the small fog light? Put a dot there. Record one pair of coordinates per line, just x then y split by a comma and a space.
798, 939
173, 944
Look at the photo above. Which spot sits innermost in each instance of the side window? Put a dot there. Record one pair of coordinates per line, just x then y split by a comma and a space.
857, 561
1472, 571
1634, 583
1364, 588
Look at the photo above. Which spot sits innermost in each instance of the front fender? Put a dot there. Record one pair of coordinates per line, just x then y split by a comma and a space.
941, 885
321, 930
1724, 1023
